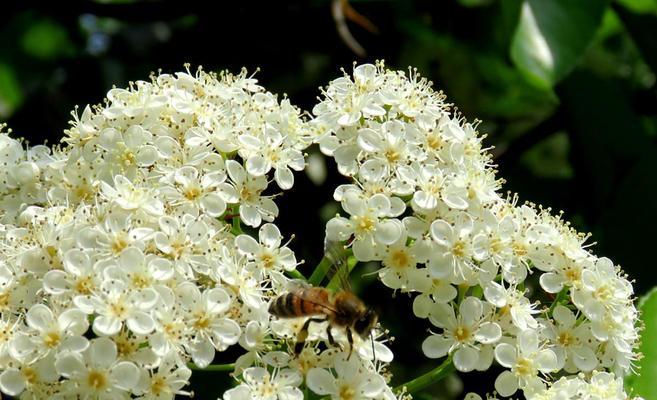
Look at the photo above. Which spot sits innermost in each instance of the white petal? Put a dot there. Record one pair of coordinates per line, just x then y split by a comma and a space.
284, 178
369, 140
70, 365
321, 382
442, 232
241, 392
546, 361
584, 358
270, 236
250, 215
213, 204
465, 359
102, 353
488, 332
388, 231
339, 229
124, 375
551, 282
141, 323
74, 321
40, 317
257, 165
436, 346
247, 245
202, 353
371, 385
506, 384
106, 326
12, 382
506, 354
564, 316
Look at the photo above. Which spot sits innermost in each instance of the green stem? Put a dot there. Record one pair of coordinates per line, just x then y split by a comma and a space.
320, 271
237, 225
296, 274
561, 296
423, 381
212, 367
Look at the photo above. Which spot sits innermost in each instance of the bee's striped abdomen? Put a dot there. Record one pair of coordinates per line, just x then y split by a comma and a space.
283, 305
303, 302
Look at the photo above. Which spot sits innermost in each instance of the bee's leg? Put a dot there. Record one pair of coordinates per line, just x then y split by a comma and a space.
350, 339
303, 334
330, 336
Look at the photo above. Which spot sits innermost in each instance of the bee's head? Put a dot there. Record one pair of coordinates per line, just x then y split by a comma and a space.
364, 325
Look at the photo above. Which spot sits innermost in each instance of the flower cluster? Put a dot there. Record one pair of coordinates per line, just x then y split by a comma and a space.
123, 264
498, 281
122, 258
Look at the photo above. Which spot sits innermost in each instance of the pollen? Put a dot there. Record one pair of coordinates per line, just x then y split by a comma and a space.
400, 259
519, 249
118, 244
566, 339
524, 367
30, 375
97, 380
159, 386
347, 392
363, 224
392, 156
462, 334
458, 249
83, 285
192, 193
52, 339
201, 321
267, 260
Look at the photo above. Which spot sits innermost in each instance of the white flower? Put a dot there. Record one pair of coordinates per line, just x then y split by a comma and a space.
462, 334
253, 206
57, 334
259, 384
129, 197
369, 223
97, 372
194, 193
571, 341
28, 376
526, 360
268, 253
353, 381
453, 254
210, 330
515, 304
165, 383
115, 303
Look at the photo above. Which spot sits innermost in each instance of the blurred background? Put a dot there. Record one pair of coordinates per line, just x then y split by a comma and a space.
566, 91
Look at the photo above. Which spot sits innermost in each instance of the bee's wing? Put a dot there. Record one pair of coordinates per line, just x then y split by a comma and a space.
293, 285
334, 251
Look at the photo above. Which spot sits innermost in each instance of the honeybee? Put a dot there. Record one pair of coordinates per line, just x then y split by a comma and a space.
342, 310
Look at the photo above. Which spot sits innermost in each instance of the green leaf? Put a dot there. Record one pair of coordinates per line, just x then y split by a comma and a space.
11, 95
552, 35
644, 384
46, 40
640, 6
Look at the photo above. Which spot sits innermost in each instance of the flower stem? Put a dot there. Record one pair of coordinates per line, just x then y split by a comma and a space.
320, 271
237, 225
212, 367
296, 274
423, 381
